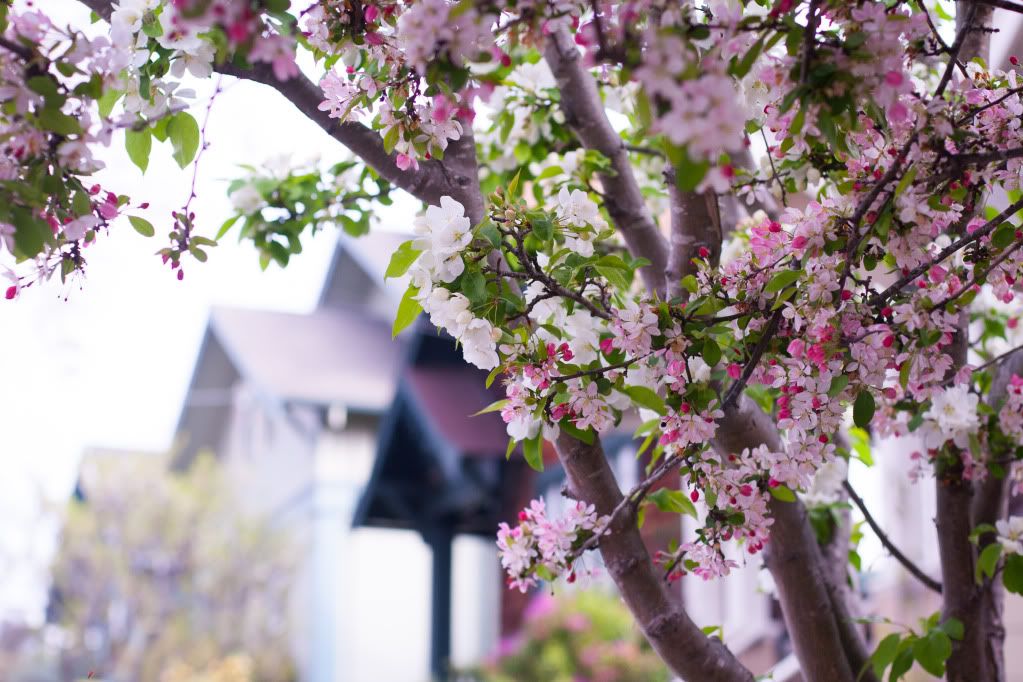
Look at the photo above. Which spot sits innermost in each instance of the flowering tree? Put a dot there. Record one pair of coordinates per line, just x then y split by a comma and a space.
838, 183
159, 576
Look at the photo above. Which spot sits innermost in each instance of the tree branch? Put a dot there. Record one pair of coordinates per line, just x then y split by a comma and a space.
693, 227
584, 112
989, 227
960, 594
906, 562
681, 644
456, 178
990, 503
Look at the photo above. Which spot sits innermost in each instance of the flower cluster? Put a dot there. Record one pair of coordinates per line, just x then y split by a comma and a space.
1010, 534
443, 233
543, 548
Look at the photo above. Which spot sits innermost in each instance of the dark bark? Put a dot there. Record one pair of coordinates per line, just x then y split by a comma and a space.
990, 503
676, 638
695, 220
963, 599
961, 595
793, 557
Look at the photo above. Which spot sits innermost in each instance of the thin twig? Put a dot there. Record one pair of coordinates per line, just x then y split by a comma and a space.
886, 541
1003, 4
13, 47
809, 41
630, 502
994, 361
758, 351
953, 51
978, 276
987, 229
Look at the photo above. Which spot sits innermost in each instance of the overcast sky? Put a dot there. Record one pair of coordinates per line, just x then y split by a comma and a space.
109, 366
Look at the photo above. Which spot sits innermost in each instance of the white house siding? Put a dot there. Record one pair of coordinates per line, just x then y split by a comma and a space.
361, 600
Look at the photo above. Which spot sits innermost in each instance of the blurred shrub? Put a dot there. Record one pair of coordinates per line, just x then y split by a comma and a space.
160, 577
587, 636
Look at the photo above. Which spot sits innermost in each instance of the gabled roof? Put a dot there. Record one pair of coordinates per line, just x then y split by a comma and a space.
356, 273
437, 466
341, 355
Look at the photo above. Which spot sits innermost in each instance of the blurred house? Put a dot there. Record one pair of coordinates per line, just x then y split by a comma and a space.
306, 410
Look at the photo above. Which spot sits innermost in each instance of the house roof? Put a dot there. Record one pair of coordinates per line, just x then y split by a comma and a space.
324, 357
370, 255
448, 396
436, 465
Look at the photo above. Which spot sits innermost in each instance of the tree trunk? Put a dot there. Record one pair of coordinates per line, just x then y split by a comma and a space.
676, 638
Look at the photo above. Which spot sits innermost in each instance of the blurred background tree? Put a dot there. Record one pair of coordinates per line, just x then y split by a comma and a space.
585, 636
160, 576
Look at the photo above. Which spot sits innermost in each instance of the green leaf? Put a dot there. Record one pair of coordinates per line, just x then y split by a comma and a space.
953, 627
183, 132
533, 450
746, 63
513, 186
577, 433
48, 87
861, 445
402, 259
838, 384
863, 409
1012, 576
408, 311
885, 653
903, 662
542, 227
904, 371
493, 375
30, 232
1004, 235
490, 232
495, 406
711, 353
142, 226
56, 121
783, 493
987, 561
782, 280
107, 101
151, 26
227, 226
643, 396
139, 144
390, 139
689, 173
932, 651
474, 286
907, 178
674, 501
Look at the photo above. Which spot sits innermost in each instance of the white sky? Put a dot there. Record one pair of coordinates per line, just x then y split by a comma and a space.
109, 367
